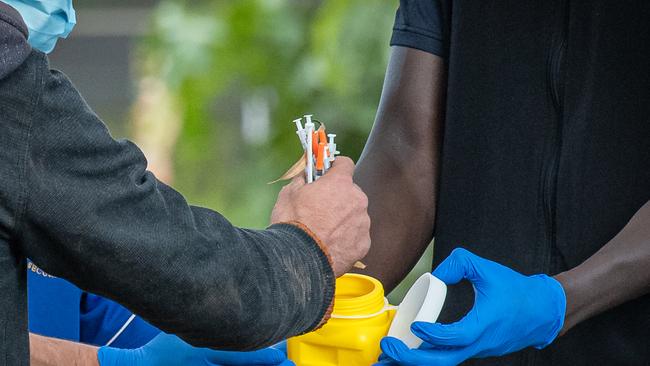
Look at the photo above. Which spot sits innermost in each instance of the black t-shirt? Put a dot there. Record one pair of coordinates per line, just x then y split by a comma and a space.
420, 24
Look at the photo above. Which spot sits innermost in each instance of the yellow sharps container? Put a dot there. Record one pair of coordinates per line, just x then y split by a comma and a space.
360, 319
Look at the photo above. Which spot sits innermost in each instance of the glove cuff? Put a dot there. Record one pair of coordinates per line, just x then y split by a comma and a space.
110, 356
558, 310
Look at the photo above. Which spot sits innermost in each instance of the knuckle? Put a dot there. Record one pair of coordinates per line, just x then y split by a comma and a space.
364, 200
460, 253
361, 198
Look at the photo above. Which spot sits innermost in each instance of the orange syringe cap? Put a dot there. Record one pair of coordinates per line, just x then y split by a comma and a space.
314, 143
322, 137
320, 157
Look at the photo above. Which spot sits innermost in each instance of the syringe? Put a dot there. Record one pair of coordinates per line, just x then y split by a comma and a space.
309, 130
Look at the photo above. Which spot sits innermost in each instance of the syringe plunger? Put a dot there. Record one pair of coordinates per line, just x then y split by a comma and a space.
332, 146
308, 119
298, 123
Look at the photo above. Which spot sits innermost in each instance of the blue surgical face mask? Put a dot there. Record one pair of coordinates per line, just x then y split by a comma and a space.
47, 20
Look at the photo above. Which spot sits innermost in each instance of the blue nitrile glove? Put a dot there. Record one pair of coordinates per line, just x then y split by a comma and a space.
169, 350
511, 312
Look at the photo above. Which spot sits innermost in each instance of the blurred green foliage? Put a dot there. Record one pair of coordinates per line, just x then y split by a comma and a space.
326, 58
322, 57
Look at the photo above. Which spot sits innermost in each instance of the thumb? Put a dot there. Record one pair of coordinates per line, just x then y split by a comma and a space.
462, 333
393, 349
459, 265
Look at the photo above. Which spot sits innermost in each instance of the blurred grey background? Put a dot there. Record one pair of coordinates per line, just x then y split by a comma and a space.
97, 55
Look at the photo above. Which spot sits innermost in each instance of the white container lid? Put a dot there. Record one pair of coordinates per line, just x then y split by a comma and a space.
422, 303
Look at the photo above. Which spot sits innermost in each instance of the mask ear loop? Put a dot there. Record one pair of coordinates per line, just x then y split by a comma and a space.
387, 307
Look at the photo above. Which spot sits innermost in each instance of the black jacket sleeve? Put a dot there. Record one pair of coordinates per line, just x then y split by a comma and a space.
94, 215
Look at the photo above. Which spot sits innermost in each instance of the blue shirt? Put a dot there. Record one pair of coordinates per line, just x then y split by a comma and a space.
59, 309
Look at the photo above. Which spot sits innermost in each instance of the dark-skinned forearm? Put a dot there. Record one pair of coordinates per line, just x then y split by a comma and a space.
618, 272
399, 165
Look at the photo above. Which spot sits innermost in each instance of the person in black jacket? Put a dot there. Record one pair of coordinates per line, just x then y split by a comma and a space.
520, 131
83, 207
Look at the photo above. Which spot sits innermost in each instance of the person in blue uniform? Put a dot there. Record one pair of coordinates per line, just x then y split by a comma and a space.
59, 309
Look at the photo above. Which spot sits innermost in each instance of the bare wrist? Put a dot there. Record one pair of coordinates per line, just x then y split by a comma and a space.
46, 351
565, 280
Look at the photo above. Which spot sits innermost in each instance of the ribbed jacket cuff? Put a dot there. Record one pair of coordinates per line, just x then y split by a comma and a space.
322, 254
